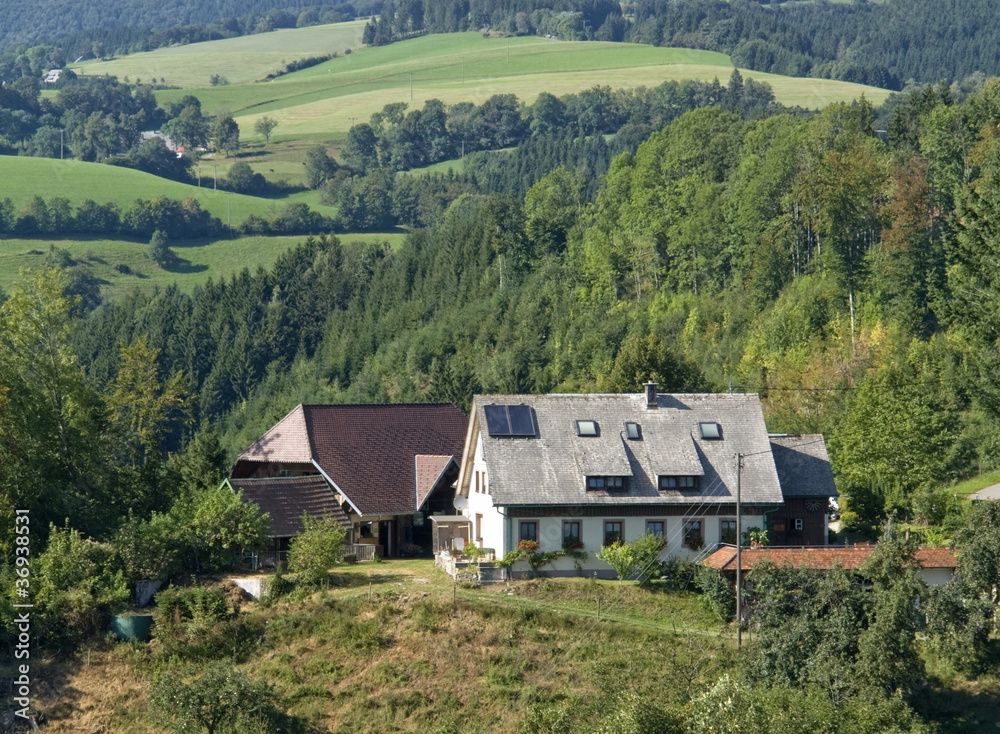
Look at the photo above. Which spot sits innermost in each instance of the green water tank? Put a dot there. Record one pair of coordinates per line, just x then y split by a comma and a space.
132, 626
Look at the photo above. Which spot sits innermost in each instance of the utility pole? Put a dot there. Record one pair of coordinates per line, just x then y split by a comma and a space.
411, 86
739, 555
215, 176
61, 144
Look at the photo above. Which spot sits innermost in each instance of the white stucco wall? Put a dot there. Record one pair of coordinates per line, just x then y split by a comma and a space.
493, 527
935, 576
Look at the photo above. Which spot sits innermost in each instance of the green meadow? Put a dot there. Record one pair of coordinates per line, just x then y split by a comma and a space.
24, 177
197, 260
242, 60
322, 102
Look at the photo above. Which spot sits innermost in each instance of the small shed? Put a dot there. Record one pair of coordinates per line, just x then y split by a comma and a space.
448, 527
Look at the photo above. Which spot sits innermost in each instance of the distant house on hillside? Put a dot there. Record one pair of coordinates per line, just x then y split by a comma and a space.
52, 76
580, 471
150, 134
935, 565
386, 468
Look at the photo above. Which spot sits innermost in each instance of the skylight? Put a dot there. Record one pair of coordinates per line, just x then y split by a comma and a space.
586, 428
632, 431
711, 430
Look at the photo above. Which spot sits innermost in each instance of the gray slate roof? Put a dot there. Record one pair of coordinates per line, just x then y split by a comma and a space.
551, 469
803, 466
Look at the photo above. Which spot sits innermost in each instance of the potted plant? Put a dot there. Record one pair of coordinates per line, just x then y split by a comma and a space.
694, 540
528, 546
572, 544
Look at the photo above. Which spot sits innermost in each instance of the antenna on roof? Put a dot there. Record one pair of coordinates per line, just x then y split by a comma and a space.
730, 387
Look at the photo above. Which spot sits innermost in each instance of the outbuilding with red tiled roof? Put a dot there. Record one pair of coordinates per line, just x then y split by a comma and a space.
935, 565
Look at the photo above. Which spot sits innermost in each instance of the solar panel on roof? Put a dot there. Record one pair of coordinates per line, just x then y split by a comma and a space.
520, 420
497, 421
509, 420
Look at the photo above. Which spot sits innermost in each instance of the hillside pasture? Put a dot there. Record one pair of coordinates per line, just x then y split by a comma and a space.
122, 265
77, 181
241, 60
325, 100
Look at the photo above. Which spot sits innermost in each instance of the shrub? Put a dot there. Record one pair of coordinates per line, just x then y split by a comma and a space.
221, 699
78, 593
319, 547
220, 524
717, 593
639, 557
148, 549
158, 251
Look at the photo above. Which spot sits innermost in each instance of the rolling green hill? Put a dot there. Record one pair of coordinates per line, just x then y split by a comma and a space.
197, 260
325, 100
242, 60
77, 181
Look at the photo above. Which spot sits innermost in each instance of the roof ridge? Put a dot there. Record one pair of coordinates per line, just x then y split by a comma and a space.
379, 405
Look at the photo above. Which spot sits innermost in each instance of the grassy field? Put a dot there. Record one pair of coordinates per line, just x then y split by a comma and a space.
197, 261
241, 60
23, 177
323, 101
397, 647
976, 483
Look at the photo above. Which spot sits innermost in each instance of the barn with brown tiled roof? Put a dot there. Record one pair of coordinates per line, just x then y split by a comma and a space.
386, 466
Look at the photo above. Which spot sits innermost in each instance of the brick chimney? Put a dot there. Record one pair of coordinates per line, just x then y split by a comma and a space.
651, 402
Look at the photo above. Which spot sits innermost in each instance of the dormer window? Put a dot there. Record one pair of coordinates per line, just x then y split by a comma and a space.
679, 482
632, 431
711, 431
586, 428
608, 484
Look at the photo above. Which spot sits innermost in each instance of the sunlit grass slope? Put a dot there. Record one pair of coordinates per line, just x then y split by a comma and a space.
197, 260
23, 177
323, 101
241, 60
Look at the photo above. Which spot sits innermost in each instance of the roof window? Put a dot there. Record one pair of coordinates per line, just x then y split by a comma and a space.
711, 431
586, 428
632, 431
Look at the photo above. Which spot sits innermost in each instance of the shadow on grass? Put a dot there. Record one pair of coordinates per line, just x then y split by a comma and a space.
961, 710
361, 577
182, 266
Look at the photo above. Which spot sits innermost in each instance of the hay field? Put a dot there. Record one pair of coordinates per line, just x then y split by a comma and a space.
325, 100
241, 60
